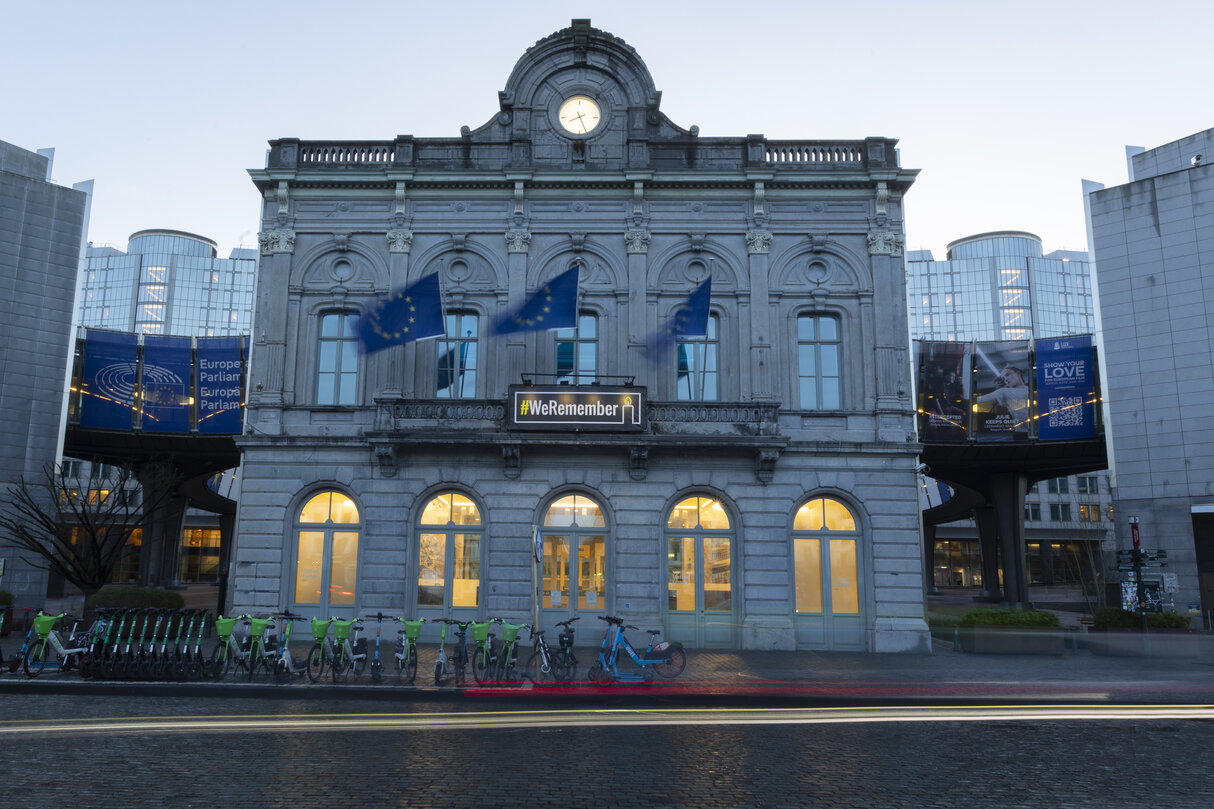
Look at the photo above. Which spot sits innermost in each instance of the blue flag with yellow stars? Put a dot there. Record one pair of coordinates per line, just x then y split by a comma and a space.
689, 320
413, 313
553, 306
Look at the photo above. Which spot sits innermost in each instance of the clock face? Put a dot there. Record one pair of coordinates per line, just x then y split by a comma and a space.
579, 115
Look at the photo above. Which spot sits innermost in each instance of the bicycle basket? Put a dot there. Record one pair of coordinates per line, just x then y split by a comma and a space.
320, 629
413, 629
566, 638
510, 632
224, 626
480, 632
259, 625
341, 629
43, 624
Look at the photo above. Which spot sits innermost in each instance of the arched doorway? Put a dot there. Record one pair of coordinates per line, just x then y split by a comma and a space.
449, 536
699, 574
327, 530
574, 566
826, 570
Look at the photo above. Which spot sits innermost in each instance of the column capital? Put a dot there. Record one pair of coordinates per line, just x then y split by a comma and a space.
400, 241
518, 241
885, 243
276, 241
637, 241
758, 242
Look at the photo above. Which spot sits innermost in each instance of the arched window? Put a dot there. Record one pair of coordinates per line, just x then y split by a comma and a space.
337, 359
326, 560
449, 553
575, 556
699, 571
824, 558
818, 362
457, 357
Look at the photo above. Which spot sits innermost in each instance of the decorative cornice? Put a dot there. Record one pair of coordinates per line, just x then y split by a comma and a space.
758, 241
637, 241
518, 241
885, 243
276, 241
400, 241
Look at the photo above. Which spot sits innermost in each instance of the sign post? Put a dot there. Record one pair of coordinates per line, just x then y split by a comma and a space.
1136, 560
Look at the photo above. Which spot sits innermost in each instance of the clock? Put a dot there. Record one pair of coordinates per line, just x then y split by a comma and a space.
579, 115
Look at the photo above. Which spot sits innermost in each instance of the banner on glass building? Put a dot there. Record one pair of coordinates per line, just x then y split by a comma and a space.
944, 391
167, 390
220, 369
160, 384
1001, 391
109, 380
1066, 390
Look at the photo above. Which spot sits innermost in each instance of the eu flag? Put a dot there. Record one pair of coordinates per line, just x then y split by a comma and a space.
413, 313
553, 306
689, 320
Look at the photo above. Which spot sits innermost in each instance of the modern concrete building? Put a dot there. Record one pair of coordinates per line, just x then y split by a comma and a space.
42, 229
1000, 286
1153, 242
760, 491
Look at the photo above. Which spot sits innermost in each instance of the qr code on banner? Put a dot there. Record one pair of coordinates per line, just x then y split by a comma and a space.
1066, 411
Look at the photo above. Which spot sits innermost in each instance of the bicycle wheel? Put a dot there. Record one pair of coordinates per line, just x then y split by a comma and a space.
358, 665
218, 666
340, 667
86, 666
284, 670
480, 665
438, 672
538, 671
35, 658
567, 667
411, 664
507, 669
316, 662
673, 666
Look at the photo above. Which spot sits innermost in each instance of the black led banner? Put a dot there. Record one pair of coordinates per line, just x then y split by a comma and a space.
564, 408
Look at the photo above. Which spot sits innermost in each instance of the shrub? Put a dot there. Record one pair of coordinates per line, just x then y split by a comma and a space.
1117, 618
121, 596
987, 616
6, 598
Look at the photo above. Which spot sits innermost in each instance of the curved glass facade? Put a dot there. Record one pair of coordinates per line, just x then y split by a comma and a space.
168, 282
999, 286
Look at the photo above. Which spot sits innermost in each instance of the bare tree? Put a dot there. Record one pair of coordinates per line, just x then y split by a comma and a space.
78, 528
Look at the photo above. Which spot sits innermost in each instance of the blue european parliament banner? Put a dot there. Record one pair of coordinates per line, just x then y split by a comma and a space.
1066, 393
219, 384
108, 382
167, 390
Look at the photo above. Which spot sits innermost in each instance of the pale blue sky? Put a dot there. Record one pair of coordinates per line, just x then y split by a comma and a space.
1004, 107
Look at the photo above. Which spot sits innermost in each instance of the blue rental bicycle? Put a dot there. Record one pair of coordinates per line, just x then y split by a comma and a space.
667, 658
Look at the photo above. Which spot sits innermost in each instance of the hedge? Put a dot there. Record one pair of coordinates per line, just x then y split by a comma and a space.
124, 596
1117, 618
988, 616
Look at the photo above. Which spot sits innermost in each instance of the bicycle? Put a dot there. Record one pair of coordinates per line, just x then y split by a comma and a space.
377, 668
546, 667
406, 649
190, 663
281, 660
349, 650
227, 649
49, 643
491, 662
666, 658
19, 658
321, 653
260, 655
456, 665
482, 657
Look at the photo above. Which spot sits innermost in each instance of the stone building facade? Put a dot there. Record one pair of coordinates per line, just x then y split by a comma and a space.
766, 498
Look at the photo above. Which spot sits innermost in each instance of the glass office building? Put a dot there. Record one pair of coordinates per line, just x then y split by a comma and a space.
1001, 286
172, 283
168, 282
